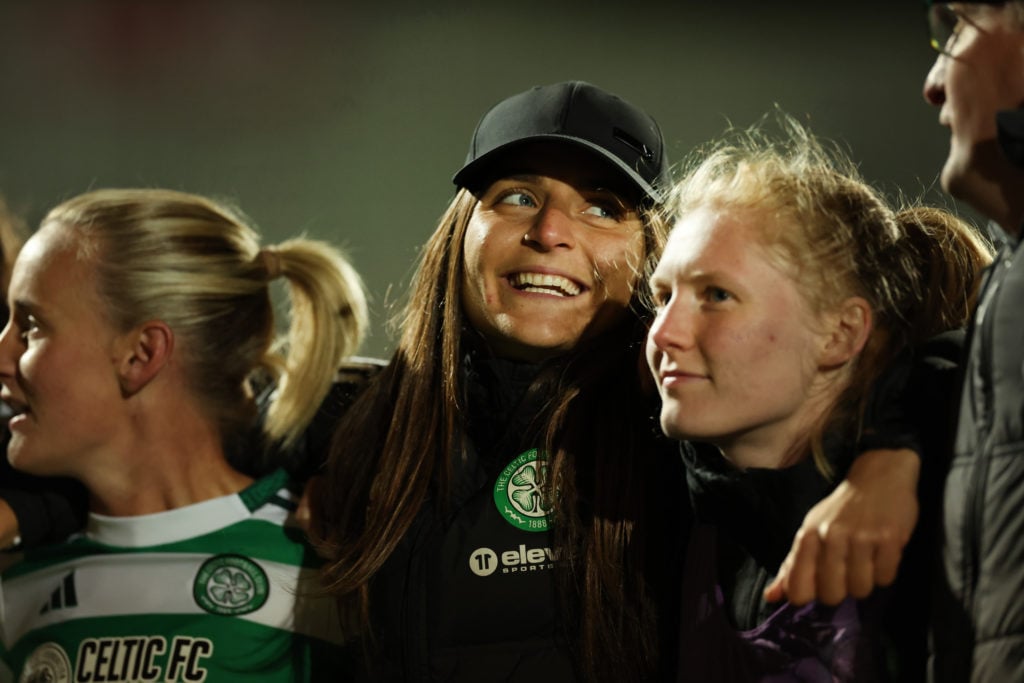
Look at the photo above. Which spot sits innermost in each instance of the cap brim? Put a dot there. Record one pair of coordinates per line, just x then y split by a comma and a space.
483, 169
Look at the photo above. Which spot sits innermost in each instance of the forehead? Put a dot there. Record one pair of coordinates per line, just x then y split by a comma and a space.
50, 271
993, 19
715, 233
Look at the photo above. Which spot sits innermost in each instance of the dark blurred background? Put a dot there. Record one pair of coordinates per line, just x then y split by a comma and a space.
345, 121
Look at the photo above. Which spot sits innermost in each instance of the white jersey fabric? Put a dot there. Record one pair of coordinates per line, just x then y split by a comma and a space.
223, 590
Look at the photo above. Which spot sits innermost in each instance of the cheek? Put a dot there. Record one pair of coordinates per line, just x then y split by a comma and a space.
29, 363
619, 266
652, 355
471, 254
761, 353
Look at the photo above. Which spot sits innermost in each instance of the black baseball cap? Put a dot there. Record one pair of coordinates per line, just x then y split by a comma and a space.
579, 114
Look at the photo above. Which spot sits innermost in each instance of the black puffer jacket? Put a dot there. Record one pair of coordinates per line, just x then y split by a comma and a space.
469, 594
979, 622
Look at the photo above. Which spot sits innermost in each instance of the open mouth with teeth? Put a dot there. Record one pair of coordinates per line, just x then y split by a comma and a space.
543, 283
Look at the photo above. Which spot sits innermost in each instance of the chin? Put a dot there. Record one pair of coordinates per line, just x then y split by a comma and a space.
22, 458
670, 425
952, 176
975, 174
18, 456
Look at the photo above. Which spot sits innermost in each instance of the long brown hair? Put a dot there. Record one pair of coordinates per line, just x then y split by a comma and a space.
397, 444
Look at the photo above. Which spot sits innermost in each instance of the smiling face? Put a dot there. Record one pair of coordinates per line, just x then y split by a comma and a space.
551, 256
982, 74
57, 359
734, 347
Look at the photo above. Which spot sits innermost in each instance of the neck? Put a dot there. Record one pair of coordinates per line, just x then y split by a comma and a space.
160, 483
165, 459
765, 448
785, 440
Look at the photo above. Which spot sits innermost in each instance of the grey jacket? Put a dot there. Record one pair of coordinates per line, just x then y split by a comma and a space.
978, 632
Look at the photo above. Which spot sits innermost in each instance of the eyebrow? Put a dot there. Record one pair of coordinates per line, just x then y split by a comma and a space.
595, 187
24, 305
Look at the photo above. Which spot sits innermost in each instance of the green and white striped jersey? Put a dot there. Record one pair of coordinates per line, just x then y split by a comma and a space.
223, 590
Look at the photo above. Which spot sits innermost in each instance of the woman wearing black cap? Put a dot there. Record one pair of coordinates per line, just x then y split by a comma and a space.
508, 453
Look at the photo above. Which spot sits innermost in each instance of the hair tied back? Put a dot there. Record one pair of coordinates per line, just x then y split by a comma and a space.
270, 259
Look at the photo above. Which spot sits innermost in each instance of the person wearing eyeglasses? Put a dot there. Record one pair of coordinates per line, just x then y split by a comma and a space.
977, 82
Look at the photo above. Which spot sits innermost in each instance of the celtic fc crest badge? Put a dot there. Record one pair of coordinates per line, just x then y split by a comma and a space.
230, 585
520, 493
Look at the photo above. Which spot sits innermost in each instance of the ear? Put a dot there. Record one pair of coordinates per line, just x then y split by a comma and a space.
847, 332
145, 351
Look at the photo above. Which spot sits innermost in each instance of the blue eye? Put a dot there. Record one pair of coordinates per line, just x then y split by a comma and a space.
517, 198
717, 295
602, 212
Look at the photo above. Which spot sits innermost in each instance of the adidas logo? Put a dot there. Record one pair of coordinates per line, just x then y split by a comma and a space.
65, 595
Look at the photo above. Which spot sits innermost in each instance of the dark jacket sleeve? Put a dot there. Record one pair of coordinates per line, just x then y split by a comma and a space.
912, 403
253, 456
929, 399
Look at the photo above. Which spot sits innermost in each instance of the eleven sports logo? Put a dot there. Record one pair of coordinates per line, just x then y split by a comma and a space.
521, 499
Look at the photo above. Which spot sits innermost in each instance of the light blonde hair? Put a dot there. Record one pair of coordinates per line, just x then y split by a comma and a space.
197, 265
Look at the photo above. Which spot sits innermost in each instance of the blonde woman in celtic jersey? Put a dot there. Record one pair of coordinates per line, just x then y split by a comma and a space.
141, 320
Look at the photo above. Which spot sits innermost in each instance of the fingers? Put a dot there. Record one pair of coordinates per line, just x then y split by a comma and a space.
831, 576
774, 591
850, 542
801, 577
830, 563
860, 567
887, 562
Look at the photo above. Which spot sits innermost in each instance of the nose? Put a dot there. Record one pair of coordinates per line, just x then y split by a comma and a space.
934, 88
673, 327
8, 351
552, 227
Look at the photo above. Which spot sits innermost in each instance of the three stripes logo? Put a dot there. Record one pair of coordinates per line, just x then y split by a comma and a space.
65, 596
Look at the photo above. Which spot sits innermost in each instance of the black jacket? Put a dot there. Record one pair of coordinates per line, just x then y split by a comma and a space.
979, 624
471, 593
746, 524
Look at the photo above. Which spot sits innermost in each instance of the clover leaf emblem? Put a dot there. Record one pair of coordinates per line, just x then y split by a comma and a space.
231, 587
526, 489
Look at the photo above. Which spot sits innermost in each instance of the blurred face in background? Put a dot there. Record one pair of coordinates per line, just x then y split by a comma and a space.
979, 73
